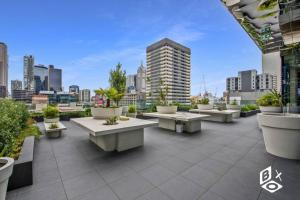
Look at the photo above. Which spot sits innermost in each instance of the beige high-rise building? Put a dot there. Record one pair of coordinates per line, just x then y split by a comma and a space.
28, 72
3, 70
169, 62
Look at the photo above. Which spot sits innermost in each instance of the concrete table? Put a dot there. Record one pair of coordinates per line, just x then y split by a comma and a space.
122, 136
56, 132
218, 115
191, 122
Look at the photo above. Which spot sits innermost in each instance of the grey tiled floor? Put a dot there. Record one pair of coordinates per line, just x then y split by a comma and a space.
220, 163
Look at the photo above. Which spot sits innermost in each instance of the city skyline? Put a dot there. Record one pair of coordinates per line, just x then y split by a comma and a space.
93, 52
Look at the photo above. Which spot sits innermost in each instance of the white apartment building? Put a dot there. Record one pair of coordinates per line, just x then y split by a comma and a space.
85, 95
169, 62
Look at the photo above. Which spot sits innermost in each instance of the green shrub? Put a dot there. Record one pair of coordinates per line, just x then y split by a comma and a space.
252, 107
88, 112
151, 108
131, 109
272, 98
204, 101
51, 112
234, 103
74, 114
13, 120
30, 130
245, 108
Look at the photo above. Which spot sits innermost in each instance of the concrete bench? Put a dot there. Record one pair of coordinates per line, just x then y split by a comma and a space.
218, 115
122, 136
191, 122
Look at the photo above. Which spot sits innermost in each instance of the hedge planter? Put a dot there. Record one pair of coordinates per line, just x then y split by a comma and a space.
105, 113
166, 109
270, 109
248, 113
205, 106
281, 134
51, 120
22, 169
6, 168
233, 107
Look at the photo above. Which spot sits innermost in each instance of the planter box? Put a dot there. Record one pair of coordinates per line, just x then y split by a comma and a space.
38, 119
270, 109
105, 113
233, 107
22, 170
281, 134
205, 106
133, 115
52, 120
249, 113
166, 109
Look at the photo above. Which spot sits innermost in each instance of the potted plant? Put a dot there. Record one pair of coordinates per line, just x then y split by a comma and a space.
131, 111
107, 111
164, 107
6, 169
51, 114
203, 104
111, 121
270, 102
233, 105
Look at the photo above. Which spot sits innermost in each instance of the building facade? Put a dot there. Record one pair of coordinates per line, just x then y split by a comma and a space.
22, 95
168, 65
16, 85
40, 73
131, 83
54, 79
273, 26
85, 95
28, 63
74, 89
3, 70
251, 81
141, 79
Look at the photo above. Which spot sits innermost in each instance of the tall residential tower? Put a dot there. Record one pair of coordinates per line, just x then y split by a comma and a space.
28, 72
169, 62
3, 70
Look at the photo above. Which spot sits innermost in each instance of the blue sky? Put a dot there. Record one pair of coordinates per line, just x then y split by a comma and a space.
88, 38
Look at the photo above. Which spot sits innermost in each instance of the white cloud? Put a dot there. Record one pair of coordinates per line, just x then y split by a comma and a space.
183, 33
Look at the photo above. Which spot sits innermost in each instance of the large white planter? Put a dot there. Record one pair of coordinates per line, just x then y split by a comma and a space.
205, 106
52, 120
6, 168
270, 109
233, 107
166, 109
281, 134
105, 113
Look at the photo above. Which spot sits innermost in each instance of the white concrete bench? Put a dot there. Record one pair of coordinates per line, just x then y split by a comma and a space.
122, 136
191, 122
218, 115
56, 132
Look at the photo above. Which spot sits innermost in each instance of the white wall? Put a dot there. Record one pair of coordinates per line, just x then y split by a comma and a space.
271, 64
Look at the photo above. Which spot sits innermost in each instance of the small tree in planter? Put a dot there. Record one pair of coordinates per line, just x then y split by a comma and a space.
131, 111
163, 104
51, 114
203, 104
270, 102
117, 81
233, 105
107, 111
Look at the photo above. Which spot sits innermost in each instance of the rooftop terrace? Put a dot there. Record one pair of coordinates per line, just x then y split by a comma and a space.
220, 163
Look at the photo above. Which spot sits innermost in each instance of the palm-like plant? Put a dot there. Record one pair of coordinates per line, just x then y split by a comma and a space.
110, 94
163, 91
